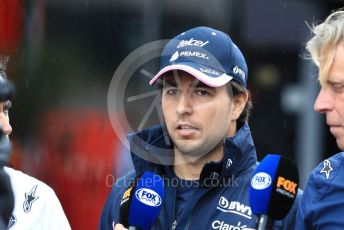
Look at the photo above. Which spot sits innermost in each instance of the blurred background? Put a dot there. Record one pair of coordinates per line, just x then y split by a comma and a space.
63, 56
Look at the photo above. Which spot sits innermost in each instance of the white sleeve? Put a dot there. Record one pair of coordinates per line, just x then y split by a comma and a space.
36, 204
52, 215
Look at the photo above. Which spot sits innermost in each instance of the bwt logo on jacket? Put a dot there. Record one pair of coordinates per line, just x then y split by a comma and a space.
148, 197
192, 42
234, 207
286, 187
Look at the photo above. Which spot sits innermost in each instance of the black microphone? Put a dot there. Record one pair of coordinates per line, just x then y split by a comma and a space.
125, 203
273, 189
142, 202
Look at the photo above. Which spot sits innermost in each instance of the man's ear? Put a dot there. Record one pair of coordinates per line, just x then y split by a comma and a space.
239, 102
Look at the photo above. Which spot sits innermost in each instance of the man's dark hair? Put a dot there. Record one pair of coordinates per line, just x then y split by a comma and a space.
237, 88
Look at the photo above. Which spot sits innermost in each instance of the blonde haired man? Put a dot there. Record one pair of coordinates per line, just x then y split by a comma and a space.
322, 204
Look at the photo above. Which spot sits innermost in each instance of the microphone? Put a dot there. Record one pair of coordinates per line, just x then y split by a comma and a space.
142, 202
273, 189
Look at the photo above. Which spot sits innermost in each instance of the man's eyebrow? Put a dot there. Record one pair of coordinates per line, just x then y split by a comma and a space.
169, 81
200, 84
333, 82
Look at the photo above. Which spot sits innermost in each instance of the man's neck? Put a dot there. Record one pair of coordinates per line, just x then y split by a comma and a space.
189, 167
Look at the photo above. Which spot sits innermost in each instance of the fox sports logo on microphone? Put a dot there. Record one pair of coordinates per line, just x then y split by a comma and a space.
148, 197
261, 181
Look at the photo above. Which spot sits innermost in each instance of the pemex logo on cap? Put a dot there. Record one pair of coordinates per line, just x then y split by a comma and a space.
175, 56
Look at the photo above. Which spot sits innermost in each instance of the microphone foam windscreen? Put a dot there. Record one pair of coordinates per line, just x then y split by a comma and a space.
146, 201
274, 187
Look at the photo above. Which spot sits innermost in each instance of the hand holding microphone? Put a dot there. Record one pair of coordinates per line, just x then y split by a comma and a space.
142, 202
273, 189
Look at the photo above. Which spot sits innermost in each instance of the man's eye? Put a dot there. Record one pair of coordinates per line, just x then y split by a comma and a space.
202, 93
171, 91
339, 88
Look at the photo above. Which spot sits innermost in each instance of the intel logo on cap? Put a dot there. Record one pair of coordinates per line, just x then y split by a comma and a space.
261, 181
148, 197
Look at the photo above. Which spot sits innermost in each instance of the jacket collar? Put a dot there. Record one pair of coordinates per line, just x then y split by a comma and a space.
152, 149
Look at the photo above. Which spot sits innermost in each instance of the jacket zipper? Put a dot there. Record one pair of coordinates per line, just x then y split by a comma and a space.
188, 223
174, 223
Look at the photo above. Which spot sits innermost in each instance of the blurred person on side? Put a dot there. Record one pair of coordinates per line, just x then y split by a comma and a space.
36, 205
322, 204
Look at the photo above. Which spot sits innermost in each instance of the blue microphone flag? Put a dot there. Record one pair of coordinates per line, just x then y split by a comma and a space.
147, 201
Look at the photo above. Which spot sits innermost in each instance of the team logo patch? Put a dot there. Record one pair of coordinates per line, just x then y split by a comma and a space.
229, 163
327, 168
221, 225
12, 222
192, 42
234, 207
29, 199
175, 56
240, 72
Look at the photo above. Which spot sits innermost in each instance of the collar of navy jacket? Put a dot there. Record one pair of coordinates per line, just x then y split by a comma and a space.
152, 150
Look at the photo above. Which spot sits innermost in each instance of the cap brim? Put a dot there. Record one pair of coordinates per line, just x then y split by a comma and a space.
212, 81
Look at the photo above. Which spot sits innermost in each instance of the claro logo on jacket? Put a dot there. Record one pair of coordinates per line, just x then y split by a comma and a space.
234, 207
222, 225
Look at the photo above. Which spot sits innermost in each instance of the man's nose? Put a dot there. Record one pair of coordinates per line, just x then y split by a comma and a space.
5, 124
324, 101
184, 105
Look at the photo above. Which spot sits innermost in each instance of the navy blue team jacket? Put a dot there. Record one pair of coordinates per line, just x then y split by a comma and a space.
322, 204
218, 206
